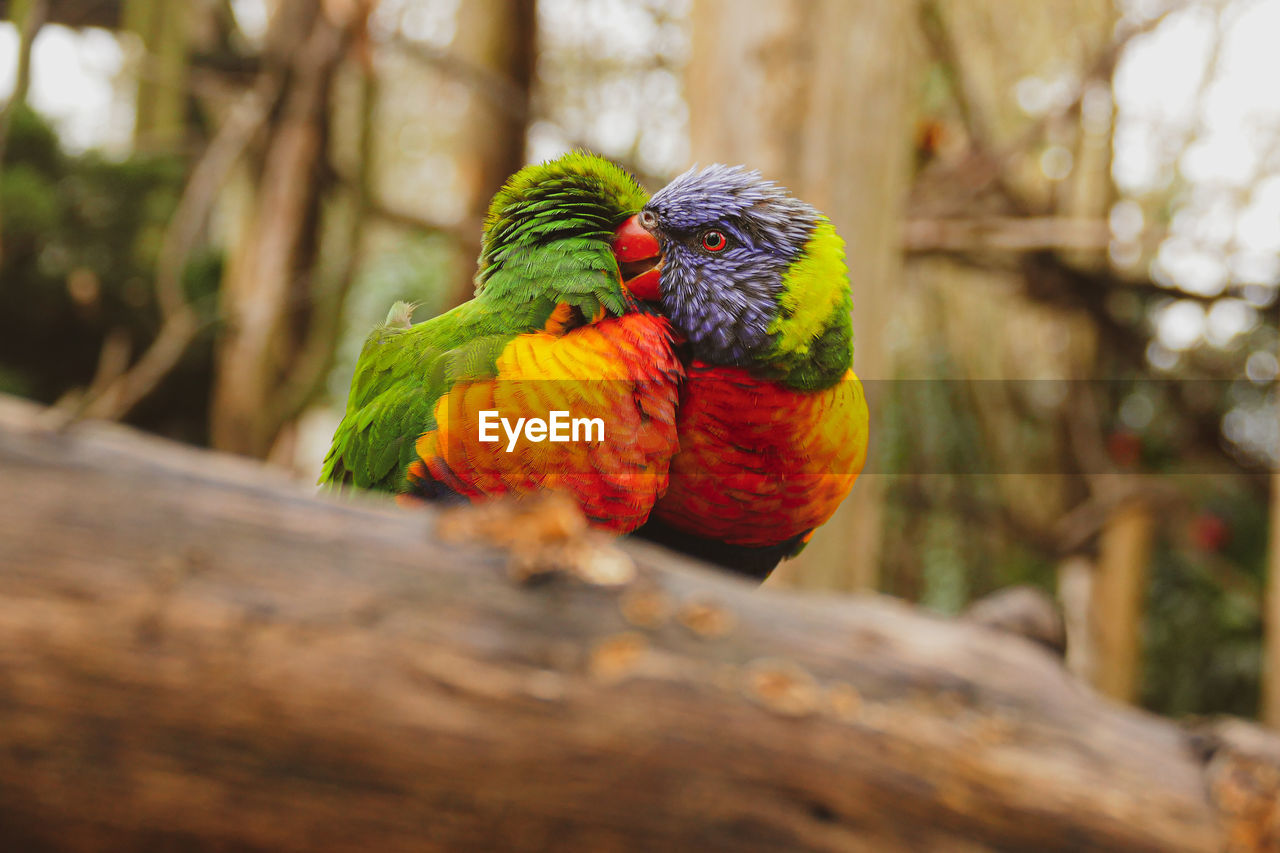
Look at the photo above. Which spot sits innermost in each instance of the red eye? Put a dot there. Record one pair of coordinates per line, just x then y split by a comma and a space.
714, 241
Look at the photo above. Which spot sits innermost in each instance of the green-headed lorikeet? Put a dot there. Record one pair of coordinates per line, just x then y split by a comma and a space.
772, 421
551, 328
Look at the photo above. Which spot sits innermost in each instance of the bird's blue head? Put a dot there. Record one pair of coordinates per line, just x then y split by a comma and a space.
750, 275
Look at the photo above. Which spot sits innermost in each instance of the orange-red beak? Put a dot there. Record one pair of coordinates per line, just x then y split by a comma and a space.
639, 258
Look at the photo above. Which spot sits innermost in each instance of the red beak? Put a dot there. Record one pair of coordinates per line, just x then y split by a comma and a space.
639, 259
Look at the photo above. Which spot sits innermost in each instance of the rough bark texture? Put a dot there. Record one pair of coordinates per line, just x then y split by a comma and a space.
817, 95
196, 654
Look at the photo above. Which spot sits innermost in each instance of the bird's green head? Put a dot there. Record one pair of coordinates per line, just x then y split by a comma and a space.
751, 276
574, 201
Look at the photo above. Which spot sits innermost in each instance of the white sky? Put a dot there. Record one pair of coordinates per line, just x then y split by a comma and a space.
1218, 139
73, 81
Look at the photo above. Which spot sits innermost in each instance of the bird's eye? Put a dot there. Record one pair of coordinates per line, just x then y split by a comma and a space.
714, 241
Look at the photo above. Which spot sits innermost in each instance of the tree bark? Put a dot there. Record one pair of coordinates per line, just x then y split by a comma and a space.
196, 654
817, 95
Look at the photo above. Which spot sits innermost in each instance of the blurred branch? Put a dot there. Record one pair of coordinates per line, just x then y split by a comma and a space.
273, 275
112, 397
504, 95
937, 36
207, 179
1012, 234
978, 126
122, 393
1050, 279
113, 358
31, 16
465, 232
500, 91
160, 113
316, 354
74, 13
957, 185
31, 19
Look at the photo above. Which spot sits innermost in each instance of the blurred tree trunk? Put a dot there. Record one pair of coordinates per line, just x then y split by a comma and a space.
162, 26
818, 95
1271, 617
271, 285
1119, 588
499, 39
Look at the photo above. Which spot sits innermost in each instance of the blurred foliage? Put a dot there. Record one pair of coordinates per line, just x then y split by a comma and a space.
1204, 618
81, 237
948, 538
1202, 634
952, 535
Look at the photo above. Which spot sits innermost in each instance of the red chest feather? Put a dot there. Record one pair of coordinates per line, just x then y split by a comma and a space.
760, 463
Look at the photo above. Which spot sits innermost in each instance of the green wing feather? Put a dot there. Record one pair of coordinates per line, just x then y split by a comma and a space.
546, 241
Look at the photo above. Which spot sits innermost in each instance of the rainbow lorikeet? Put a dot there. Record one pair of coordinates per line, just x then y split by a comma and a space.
551, 328
772, 421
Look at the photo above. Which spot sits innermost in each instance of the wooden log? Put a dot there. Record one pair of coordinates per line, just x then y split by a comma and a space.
198, 654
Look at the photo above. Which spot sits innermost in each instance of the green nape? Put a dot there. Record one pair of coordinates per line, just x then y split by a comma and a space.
547, 241
813, 332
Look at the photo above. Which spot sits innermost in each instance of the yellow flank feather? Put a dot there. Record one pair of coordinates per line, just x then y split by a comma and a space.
542, 356
811, 289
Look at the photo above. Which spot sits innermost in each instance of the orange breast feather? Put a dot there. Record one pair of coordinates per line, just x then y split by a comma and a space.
621, 371
760, 463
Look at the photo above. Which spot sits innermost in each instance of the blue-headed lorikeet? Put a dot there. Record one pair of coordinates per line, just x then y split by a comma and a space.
551, 328
772, 421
